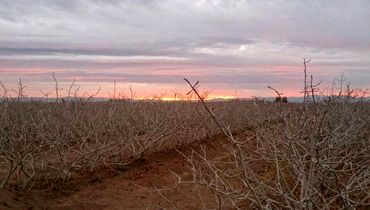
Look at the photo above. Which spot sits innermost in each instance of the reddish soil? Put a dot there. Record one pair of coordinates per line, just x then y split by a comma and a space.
128, 188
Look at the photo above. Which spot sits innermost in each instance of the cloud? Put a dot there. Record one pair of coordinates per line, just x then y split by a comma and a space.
338, 24
211, 37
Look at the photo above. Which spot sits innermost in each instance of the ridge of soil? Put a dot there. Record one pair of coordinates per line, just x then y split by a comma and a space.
131, 187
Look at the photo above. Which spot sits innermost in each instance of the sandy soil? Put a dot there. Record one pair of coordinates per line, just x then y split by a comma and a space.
132, 187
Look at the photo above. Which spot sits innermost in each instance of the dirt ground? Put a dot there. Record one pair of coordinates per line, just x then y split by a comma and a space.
133, 187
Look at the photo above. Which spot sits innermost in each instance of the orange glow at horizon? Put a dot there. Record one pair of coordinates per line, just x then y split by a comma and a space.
187, 98
141, 91
165, 82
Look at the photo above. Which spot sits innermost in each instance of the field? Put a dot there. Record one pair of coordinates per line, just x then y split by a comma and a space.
127, 154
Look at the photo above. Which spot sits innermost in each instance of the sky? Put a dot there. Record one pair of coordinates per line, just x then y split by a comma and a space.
233, 48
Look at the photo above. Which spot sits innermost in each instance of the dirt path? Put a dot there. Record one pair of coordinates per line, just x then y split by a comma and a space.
131, 188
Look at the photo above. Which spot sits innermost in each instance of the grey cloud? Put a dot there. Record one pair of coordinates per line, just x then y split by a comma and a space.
332, 24
336, 34
160, 46
148, 78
